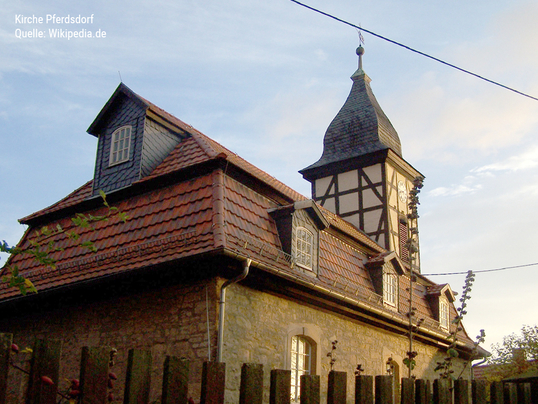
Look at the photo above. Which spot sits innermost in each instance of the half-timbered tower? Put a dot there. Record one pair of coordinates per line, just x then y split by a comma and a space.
361, 175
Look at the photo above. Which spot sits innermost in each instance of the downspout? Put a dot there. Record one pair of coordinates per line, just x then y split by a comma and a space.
222, 305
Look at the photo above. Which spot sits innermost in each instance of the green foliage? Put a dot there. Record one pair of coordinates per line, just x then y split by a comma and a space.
412, 247
517, 354
40, 250
445, 367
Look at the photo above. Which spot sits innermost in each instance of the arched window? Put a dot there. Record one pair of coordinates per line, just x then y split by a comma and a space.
303, 247
120, 145
301, 363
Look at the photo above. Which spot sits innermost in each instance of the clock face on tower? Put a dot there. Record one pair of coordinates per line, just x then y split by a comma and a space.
402, 191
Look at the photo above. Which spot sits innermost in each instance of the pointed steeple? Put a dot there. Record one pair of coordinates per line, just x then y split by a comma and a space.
361, 175
361, 127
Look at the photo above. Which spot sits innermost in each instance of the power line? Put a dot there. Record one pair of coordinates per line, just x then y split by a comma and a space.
416, 51
485, 270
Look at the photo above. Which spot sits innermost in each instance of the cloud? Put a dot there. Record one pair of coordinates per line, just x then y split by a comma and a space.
524, 161
456, 190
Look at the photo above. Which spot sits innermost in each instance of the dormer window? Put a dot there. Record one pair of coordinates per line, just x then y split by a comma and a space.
304, 247
390, 288
120, 145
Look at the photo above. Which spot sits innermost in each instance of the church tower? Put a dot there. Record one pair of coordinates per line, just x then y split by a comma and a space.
361, 175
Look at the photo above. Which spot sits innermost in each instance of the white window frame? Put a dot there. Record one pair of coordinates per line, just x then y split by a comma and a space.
304, 248
390, 288
120, 145
444, 313
301, 364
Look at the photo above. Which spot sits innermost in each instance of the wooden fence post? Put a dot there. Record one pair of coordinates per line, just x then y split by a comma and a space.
510, 393
364, 389
45, 368
461, 391
337, 388
523, 393
175, 380
251, 388
5, 351
496, 393
310, 389
138, 380
280, 387
534, 392
408, 391
442, 391
94, 371
479, 392
213, 383
423, 393
384, 391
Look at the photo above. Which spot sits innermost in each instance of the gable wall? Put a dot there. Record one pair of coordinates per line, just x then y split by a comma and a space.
158, 143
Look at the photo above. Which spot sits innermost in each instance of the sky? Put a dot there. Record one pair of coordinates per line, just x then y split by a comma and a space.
265, 79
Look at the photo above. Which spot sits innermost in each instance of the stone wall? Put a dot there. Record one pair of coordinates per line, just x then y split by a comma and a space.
259, 327
169, 321
173, 321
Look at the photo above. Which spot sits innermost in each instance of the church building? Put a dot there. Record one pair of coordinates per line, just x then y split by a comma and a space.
197, 253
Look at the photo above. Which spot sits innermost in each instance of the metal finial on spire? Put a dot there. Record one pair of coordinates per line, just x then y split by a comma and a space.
360, 52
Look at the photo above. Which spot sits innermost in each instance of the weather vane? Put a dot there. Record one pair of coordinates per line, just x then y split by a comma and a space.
361, 38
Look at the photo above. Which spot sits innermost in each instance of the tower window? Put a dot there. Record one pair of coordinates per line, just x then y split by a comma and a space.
303, 247
403, 233
301, 364
120, 145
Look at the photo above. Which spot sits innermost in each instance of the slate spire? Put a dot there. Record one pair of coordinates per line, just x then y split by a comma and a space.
360, 127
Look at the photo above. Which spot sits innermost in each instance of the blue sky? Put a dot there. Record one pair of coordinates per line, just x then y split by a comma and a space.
266, 78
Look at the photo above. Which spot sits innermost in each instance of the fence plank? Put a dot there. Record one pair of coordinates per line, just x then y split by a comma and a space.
175, 380
384, 391
5, 350
510, 393
45, 366
423, 392
310, 389
364, 390
138, 380
523, 393
496, 393
94, 371
442, 391
213, 383
280, 387
534, 392
461, 391
337, 389
251, 388
408, 391
479, 392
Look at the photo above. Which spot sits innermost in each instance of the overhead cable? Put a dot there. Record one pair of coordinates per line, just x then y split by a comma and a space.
484, 270
414, 50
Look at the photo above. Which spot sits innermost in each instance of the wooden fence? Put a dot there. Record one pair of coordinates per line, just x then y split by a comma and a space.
95, 380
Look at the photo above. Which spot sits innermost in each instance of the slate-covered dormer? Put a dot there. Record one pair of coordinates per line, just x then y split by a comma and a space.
132, 140
298, 228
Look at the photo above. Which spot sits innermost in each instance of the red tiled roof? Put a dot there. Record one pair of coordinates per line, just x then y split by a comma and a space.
203, 214
163, 225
